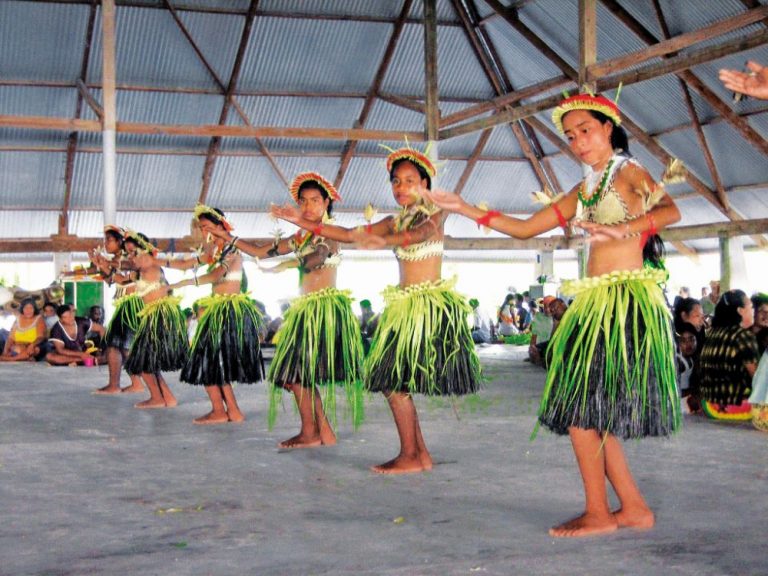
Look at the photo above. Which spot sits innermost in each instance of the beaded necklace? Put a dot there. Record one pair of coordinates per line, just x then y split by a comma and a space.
596, 193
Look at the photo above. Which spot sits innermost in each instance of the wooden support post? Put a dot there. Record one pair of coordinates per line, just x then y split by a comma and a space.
110, 112
430, 69
587, 42
725, 264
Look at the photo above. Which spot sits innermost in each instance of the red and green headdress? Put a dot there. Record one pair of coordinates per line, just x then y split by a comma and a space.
321, 182
586, 102
414, 156
202, 209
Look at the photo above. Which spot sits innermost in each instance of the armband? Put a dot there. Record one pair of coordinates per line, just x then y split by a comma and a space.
485, 219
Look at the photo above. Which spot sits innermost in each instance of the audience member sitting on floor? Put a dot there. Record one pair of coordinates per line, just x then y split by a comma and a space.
482, 330
49, 315
69, 341
96, 316
760, 327
686, 363
729, 359
557, 308
689, 311
27, 335
507, 316
541, 330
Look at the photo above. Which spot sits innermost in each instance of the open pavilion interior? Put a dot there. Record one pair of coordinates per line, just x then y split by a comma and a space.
133, 111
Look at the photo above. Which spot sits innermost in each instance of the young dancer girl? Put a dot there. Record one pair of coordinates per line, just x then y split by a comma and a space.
225, 347
160, 342
319, 342
422, 343
612, 373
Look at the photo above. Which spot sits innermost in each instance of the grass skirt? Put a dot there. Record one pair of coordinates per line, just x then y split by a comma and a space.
423, 343
319, 343
125, 322
612, 359
161, 339
225, 348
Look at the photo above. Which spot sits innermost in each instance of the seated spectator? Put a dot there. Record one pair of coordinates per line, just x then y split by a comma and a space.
69, 341
686, 363
275, 323
96, 316
759, 397
557, 309
759, 328
541, 330
523, 313
507, 317
709, 302
689, 311
49, 315
369, 320
26, 338
729, 359
481, 324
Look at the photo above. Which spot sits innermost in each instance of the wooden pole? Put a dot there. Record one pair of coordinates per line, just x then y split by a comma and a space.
109, 127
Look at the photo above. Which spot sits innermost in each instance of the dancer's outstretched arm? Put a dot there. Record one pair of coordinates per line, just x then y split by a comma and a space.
542, 221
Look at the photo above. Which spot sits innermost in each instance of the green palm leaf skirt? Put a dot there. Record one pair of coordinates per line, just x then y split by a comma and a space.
423, 343
319, 343
612, 359
225, 347
160, 344
124, 322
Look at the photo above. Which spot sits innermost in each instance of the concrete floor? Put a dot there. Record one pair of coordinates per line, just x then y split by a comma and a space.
89, 485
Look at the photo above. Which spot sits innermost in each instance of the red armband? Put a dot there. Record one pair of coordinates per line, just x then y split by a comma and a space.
318, 230
485, 219
560, 218
652, 230
406, 239
368, 228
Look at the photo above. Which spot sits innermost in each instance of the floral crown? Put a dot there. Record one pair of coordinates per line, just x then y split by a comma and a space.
408, 153
329, 188
202, 209
113, 228
136, 238
586, 102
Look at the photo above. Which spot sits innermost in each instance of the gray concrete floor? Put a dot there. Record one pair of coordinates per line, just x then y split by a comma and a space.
89, 485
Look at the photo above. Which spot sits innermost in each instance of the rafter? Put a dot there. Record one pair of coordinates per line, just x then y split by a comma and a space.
351, 145
472, 161
431, 102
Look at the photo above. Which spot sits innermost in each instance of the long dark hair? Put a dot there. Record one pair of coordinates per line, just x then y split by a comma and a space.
727, 309
314, 185
213, 218
422, 172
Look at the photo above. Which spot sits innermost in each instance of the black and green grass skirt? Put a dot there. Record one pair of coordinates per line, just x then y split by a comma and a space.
423, 343
125, 322
612, 359
160, 344
319, 343
225, 347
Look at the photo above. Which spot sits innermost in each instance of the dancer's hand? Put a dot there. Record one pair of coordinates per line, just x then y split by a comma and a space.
752, 83
443, 199
285, 212
219, 233
365, 240
600, 232
281, 267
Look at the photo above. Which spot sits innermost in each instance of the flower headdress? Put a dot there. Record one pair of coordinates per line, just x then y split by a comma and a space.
408, 153
113, 228
329, 188
586, 102
202, 209
139, 239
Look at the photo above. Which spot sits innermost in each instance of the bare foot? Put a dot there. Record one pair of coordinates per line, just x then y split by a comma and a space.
151, 403
400, 465
235, 417
108, 389
171, 402
426, 460
300, 441
585, 525
327, 437
212, 418
132, 389
638, 518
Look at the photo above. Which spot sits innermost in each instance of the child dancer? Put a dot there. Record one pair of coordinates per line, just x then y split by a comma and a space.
612, 373
225, 347
422, 343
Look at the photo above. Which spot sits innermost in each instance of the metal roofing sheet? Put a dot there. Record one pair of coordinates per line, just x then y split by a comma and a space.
27, 223
31, 179
697, 210
143, 181
352, 8
505, 186
152, 50
41, 41
36, 101
655, 104
313, 55
459, 75
752, 203
503, 143
737, 161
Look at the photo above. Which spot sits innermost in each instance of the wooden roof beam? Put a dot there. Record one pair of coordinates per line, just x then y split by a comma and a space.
432, 103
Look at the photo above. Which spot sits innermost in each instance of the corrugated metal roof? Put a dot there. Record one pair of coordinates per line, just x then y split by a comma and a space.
27, 223
506, 186
31, 179
323, 55
36, 101
41, 41
380, 8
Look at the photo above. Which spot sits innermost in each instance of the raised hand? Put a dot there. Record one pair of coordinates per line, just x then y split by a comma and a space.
285, 212
600, 232
443, 199
365, 240
752, 83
